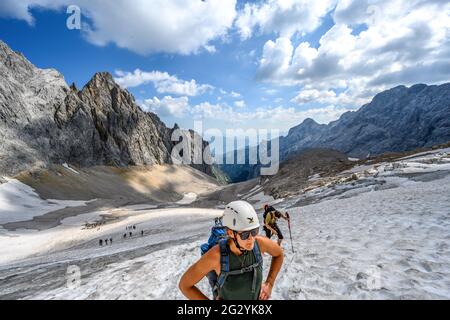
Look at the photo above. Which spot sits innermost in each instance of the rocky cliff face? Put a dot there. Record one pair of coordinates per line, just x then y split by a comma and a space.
43, 121
396, 120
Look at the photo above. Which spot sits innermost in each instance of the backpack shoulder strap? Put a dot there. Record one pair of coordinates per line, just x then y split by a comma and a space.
224, 257
257, 253
259, 262
224, 264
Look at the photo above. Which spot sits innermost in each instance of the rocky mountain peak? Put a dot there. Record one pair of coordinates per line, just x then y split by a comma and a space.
396, 120
307, 125
73, 87
43, 121
309, 122
14, 62
101, 81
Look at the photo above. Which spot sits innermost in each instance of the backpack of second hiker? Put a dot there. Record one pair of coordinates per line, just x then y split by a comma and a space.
266, 211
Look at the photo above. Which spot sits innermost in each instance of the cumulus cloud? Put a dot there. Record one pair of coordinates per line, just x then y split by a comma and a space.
306, 96
276, 59
283, 17
20, 9
400, 43
142, 26
167, 106
163, 82
345, 98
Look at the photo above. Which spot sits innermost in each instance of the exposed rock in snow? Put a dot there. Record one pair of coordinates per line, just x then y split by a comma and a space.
65, 165
188, 198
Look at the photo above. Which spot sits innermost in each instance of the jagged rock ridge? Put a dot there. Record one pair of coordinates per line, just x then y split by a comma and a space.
43, 121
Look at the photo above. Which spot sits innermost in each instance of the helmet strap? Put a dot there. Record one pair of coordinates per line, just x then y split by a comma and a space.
243, 251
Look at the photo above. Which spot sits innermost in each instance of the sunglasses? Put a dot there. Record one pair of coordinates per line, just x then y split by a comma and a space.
245, 234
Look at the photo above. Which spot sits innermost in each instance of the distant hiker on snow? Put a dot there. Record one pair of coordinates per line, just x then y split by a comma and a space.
270, 216
233, 263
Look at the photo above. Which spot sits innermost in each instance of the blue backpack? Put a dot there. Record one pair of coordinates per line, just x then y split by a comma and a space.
218, 232
219, 236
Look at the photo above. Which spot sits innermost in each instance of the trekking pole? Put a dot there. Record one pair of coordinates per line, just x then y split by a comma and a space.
290, 233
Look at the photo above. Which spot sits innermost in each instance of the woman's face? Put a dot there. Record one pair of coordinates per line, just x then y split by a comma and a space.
245, 244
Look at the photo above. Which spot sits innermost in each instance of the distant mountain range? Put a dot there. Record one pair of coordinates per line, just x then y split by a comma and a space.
44, 121
396, 120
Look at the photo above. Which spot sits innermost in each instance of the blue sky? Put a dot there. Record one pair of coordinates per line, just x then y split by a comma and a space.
261, 64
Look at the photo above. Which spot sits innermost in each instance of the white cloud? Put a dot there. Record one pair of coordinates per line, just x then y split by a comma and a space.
223, 115
235, 94
166, 107
283, 17
327, 97
20, 9
206, 110
401, 43
276, 59
143, 26
163, 82
232, 94
240, 104
271, 92
210, 49
306, 96
290, 117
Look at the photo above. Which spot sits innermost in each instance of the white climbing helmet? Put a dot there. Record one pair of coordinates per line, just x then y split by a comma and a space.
240, 216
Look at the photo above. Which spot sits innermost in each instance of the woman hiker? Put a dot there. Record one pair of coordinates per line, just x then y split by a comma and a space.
236, 261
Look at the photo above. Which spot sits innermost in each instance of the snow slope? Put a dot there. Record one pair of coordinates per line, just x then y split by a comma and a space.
385, 235
19, 202
375, 245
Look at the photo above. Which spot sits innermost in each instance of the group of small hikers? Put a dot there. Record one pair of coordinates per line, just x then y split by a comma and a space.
101, 241
232, 259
